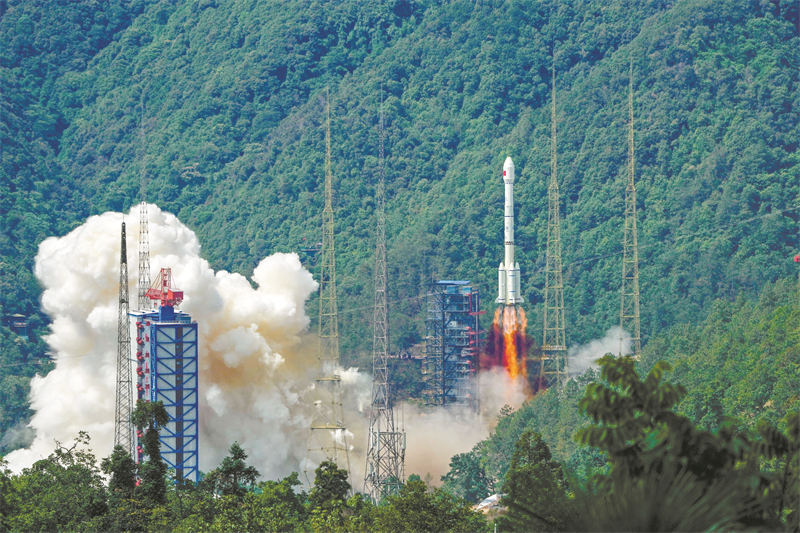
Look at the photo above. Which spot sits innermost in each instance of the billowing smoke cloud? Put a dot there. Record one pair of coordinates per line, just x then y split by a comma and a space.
254, 363
18, 436
257, 359
581, 358
434, 437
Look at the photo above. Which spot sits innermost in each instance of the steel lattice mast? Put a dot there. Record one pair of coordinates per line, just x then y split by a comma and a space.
328, 437
144, 256
384, 473
629, 320
144, 231
123, 430
553, 370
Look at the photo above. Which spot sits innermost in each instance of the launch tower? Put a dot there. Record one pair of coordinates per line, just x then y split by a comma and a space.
166, 356
452, 336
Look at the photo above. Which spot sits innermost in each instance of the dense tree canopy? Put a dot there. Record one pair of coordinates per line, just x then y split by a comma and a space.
535, 489
147, 418
234, 476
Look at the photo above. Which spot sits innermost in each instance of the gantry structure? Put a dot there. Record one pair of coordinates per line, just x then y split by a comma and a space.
328, 436
629, 317
452, 337
384, 473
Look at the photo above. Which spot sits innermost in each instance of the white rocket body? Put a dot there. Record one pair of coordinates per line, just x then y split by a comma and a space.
508, 278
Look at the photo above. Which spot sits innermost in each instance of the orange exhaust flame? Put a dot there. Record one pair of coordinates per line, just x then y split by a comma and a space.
509, 333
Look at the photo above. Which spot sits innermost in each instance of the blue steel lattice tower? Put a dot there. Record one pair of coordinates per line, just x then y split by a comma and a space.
167, 373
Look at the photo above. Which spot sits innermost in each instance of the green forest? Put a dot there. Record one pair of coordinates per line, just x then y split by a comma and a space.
214, 110
636, 464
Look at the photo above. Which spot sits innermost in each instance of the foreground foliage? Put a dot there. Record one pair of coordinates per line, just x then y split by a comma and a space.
660, 473
668, 475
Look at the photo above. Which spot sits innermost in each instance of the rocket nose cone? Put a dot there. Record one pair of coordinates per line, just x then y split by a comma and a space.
508, 171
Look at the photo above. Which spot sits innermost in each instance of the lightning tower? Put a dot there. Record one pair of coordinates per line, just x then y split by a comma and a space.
123, 431
629, 320
144, 256
144, 232
553, 368
328, 437
385, 473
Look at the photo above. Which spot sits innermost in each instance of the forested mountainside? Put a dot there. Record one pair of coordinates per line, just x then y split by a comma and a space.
741, 364
219, 104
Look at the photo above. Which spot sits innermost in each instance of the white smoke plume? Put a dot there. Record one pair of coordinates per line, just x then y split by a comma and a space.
256, 359
498, 389
434, 437
583, 357
254, 365
19, 435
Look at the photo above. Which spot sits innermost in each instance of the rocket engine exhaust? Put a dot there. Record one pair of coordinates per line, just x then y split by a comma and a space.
508, 341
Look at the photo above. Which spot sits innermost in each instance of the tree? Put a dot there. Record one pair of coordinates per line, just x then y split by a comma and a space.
330, 485
783, 483
233, 475
667, 474
467, 478
62, 492
5, 493
122, 469
327, 502
535, 489
125, 513
627, 411
277, 507
147, 417
415, 508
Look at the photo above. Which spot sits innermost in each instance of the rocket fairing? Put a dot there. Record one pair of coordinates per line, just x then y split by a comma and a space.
508, 278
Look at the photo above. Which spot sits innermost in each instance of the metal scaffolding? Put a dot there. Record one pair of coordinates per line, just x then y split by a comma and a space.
451, 341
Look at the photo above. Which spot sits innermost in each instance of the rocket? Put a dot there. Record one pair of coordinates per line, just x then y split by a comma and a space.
508, 279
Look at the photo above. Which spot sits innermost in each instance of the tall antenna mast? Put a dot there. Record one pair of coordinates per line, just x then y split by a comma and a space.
385, 473
328, 432
144, 231
123, 431
553, 370
629, 319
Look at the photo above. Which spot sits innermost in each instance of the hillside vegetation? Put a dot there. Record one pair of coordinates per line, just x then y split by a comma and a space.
219, 104
741, 364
